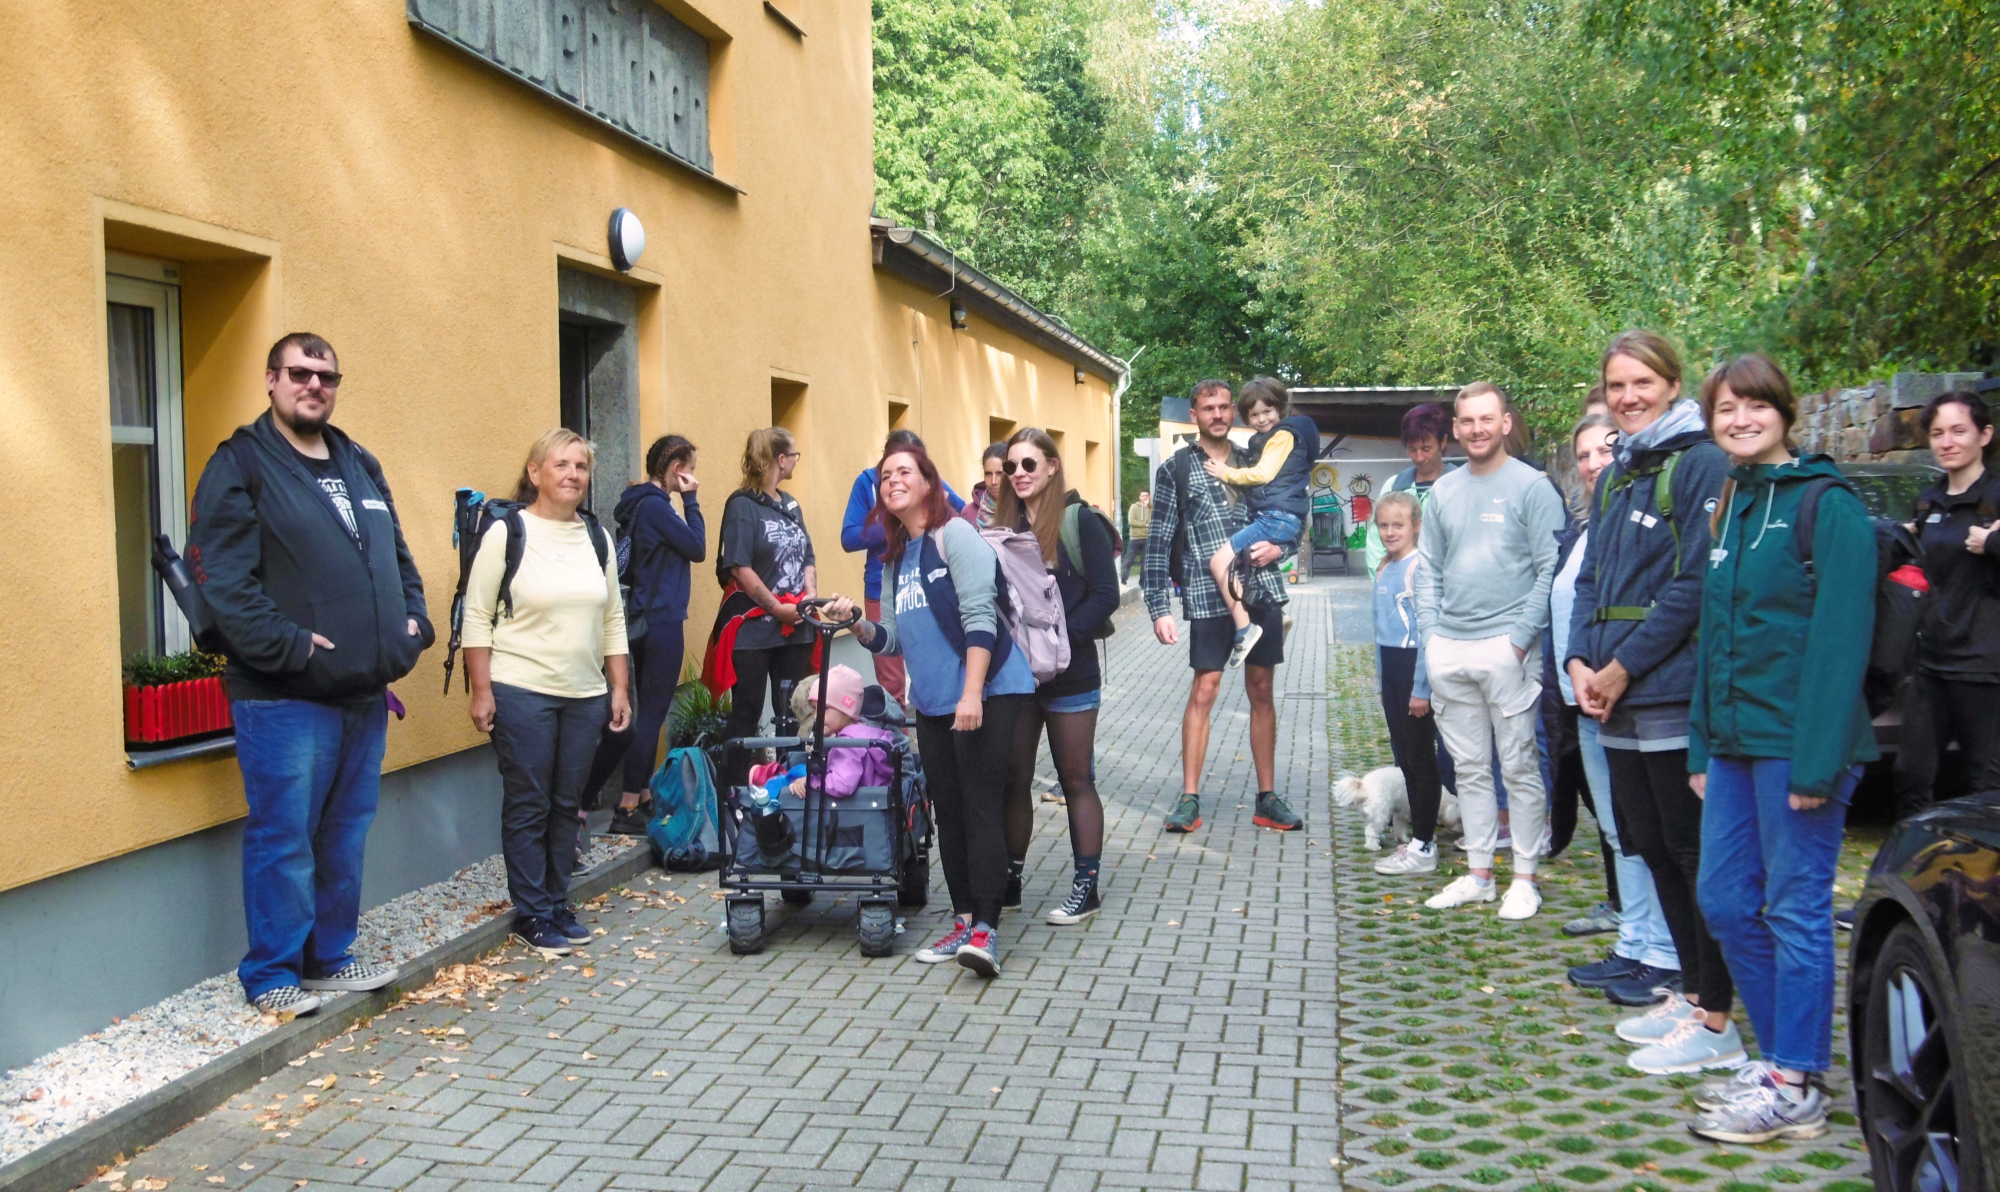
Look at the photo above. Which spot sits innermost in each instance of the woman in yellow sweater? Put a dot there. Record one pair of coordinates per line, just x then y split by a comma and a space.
539, 662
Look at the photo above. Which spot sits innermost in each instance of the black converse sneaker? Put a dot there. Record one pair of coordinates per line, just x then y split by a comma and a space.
353, 977
286, 999
1081, 904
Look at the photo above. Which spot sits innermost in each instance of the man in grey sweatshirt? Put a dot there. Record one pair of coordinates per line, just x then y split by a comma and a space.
1487, 555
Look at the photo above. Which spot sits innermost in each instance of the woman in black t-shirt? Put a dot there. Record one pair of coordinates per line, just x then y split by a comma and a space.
768, 556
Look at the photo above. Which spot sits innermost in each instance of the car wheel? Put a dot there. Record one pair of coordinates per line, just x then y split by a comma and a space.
1911, 1105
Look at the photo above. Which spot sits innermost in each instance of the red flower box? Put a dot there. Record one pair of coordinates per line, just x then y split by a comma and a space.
175, 710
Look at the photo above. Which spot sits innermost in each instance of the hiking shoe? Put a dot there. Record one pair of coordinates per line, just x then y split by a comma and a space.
1844, 920
1763, 1113
564, 921
1186, 816
981, 953
1644, 987
947, 945
1246, 639
1691, 1047
541, 935
1463, 890
1411, 856
1658, 1022
1082, 903
1601, 920
1273, 812
353, 977
1715, 1094
286, 999
1523, 900
631, 821
1603, 972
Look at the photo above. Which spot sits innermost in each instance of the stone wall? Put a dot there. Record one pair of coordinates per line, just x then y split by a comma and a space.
1877, 422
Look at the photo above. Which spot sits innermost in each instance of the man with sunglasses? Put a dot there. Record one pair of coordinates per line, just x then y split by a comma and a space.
857, 533
297, 552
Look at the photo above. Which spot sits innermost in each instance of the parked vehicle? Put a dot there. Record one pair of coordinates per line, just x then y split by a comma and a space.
1924, 1000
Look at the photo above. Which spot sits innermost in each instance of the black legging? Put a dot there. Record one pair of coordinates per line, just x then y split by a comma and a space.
966, 774
1072, 745
757, 670
1412, 740
1937, 712
656, 673
1660, 819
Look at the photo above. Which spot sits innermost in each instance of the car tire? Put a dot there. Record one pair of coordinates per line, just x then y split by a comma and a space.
1911, 1090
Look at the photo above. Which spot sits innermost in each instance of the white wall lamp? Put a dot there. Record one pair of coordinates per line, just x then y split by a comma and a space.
957, 315
1079, 376
627, 237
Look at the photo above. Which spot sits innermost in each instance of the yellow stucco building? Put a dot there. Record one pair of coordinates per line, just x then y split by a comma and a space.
428, 184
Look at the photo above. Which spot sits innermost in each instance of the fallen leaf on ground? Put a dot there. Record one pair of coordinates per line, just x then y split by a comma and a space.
110, 1177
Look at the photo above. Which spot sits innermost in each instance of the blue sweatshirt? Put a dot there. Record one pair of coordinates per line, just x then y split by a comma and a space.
857, 533
1396, 616
664, 544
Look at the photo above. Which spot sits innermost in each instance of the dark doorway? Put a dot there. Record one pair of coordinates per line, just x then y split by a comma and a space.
599, 398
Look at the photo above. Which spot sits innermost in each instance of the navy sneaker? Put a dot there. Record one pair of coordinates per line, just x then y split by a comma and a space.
1844, 920
564, 921
981, 952
1596, 976
1646, 987
541, 935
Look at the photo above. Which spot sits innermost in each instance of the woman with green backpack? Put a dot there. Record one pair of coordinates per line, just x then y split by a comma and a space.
1077, 549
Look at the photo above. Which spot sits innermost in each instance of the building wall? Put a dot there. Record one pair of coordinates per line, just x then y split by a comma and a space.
326, 167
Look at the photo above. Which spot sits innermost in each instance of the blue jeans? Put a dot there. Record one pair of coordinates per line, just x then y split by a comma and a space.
312, 774
1766, 889
544, 744
1278, 529
1642, 926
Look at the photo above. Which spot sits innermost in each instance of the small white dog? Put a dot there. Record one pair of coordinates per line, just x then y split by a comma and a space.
1384, 801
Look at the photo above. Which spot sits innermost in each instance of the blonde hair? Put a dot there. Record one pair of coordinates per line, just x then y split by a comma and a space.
1649, 348
760, 455
1046, 513
804, 710
551, 442
1405, 500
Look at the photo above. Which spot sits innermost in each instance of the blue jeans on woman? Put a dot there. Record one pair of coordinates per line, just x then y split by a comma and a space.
1766, 889
312, 774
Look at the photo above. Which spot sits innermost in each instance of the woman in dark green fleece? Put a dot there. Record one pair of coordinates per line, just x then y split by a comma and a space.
1776, 729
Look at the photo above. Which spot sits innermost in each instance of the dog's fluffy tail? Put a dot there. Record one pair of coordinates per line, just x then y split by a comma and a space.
1349, 791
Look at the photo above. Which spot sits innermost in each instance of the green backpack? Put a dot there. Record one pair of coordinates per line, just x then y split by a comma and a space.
1072, 545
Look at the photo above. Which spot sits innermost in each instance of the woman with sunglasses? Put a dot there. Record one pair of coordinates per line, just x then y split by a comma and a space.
766, 567
1077, 548
968, 687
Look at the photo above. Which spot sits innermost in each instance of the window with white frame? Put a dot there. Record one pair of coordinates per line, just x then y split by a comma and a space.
148, 463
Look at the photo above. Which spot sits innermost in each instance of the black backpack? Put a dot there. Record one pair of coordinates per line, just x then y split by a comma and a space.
473, 514
173, 570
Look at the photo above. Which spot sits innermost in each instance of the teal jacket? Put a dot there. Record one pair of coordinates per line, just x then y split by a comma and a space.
1780, 656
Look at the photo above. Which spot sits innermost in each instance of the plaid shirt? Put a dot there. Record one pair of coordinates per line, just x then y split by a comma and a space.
1186, 499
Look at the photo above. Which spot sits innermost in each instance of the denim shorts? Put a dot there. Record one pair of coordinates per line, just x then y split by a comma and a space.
1278, 529
1082, 701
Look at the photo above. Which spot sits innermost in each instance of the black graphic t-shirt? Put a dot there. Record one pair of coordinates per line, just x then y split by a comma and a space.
769, 537
334, 486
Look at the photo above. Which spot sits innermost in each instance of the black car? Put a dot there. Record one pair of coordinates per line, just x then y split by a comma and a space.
1924, 1000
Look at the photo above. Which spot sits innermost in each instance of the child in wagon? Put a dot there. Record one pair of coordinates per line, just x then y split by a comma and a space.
849, 768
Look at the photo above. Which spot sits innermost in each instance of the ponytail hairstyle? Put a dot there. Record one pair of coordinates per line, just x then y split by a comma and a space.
937, 509
550, 443
666, 451
760, 455
1044, 510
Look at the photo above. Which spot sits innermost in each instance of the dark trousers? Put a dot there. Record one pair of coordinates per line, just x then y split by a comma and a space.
1937, 712
1412, 739
756, 672
967, 775
655, 676
1659, 817
544, 743
1570, 789
1135, 554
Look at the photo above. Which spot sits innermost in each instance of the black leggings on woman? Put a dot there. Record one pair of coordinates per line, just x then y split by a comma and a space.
966, 774
1072, 745
1659, 817
656, 674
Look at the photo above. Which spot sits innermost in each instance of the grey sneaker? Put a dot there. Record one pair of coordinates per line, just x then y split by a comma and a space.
1658, 1022
1246, 640
1600, 921
1691, 1047
1762, 1113
353, 977
1411, 856
1186, 816
286, 999
1715, 1094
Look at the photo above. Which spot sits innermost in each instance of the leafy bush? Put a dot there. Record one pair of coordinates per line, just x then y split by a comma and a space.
153, 670
696, 715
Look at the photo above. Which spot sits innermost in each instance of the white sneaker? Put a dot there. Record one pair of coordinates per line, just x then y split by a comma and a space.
1523, 899
1691, 1047
1464, 890
1658, 1022
1411, 856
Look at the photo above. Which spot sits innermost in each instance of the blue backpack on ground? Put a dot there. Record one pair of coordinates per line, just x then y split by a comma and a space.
684, 831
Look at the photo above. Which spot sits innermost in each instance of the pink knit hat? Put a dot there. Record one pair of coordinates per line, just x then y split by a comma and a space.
843, 689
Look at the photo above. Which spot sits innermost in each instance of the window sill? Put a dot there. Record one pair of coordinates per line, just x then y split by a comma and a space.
146, 759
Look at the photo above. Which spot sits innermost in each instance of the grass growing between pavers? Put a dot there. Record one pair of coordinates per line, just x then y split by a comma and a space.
1469, 1062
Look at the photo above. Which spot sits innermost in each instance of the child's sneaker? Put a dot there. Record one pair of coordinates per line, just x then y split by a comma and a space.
1246, 640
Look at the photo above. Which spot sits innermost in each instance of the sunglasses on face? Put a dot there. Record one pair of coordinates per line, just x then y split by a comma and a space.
1022, 465
303, 376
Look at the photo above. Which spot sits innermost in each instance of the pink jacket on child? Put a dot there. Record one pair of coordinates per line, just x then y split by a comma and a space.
848, 770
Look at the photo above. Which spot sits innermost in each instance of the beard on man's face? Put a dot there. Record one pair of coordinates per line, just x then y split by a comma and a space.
301, 424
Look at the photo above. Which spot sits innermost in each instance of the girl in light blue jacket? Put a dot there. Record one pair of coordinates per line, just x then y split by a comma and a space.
1406, 685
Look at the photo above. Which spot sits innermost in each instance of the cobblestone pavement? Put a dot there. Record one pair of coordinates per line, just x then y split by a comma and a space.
1469, 1062
1183, 1039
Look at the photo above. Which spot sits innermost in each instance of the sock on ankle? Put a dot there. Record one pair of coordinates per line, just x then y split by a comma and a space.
1016, 866
983, 925
1086, 868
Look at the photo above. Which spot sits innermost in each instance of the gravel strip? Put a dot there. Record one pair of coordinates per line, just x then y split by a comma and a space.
71, 1086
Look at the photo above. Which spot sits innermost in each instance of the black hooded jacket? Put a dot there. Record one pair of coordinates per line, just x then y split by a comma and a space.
281, 566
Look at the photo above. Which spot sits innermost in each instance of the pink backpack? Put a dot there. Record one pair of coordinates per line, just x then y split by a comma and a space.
1032, 608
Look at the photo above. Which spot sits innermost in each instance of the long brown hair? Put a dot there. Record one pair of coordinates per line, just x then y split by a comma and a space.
937, 510
1045, 510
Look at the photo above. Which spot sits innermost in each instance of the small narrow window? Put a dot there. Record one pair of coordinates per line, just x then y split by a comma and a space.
148, 462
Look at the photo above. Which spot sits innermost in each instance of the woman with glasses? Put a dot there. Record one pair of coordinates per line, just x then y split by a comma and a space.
1077, 549
766, 567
